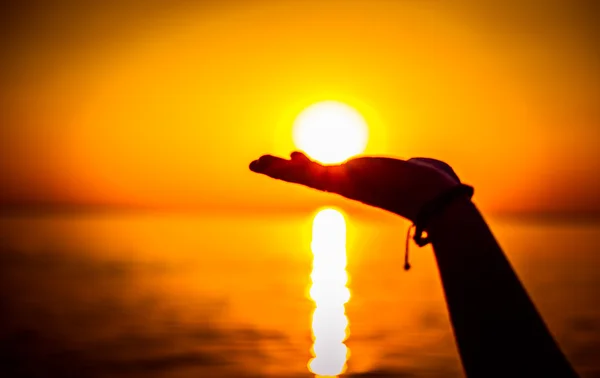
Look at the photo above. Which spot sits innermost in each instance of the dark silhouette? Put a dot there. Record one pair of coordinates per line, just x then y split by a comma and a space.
498, 331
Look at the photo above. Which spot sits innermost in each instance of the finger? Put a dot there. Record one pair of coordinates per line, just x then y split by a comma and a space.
264, 163
300, 170
299, 156
278, 168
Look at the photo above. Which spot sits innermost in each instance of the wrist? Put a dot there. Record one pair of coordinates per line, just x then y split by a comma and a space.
437, 206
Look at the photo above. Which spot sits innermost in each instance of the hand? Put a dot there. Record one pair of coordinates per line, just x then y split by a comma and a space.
399, 186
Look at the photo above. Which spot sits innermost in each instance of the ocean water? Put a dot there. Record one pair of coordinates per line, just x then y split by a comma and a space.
126, 295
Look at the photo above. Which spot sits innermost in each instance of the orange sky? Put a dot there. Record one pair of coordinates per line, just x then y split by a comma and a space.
140, 103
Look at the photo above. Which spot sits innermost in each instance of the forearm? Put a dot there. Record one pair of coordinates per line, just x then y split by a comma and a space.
497, 328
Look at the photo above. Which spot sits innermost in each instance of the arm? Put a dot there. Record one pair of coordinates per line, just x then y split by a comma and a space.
498, 331
497, 328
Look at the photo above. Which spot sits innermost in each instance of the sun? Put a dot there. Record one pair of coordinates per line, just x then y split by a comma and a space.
330, 132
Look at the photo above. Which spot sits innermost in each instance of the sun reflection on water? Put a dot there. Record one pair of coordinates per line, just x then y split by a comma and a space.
330, 294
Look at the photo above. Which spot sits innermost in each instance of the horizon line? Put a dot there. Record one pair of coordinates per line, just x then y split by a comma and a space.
8, 209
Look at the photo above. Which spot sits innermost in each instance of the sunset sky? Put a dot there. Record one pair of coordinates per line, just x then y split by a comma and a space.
162, 104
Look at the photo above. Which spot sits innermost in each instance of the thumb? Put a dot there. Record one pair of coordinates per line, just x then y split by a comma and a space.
436, 164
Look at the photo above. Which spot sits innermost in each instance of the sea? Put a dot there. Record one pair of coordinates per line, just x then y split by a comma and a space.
220, 295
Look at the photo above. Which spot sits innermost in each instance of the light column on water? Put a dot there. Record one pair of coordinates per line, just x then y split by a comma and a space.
330, 294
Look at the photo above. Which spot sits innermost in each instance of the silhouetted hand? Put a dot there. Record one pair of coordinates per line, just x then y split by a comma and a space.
399, 186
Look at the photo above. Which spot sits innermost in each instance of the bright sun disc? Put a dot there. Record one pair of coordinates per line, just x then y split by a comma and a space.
330, 132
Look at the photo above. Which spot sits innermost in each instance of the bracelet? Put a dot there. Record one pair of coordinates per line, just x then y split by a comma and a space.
429, 210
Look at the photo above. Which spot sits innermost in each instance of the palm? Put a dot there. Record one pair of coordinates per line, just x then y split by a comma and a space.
391, 184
